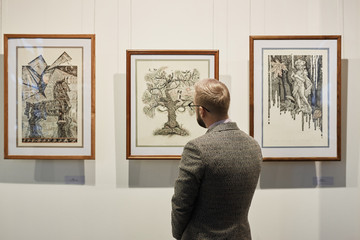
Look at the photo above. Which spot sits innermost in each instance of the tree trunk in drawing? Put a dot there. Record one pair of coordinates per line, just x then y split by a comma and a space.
169, 93
171, 127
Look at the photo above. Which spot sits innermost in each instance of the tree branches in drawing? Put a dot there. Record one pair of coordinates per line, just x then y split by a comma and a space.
169, 93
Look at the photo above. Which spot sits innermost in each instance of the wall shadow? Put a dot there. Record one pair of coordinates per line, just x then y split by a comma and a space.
122, 165
153, 173
59, 171
288, 175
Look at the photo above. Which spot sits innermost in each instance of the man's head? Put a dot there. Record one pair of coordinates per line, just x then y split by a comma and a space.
214, 97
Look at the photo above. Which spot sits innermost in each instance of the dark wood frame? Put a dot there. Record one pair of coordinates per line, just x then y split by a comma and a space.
129, 53
252, 39
91, 37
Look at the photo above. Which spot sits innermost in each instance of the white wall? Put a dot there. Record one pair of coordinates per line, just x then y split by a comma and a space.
128, 200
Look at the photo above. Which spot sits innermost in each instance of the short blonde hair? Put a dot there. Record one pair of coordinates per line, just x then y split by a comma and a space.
213, 95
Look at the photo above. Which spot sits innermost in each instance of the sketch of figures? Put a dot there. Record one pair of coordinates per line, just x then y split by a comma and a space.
49, 101
301, 86
295, 104
295, 86
170, 93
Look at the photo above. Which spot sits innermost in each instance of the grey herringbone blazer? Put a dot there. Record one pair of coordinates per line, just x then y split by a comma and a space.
218, 175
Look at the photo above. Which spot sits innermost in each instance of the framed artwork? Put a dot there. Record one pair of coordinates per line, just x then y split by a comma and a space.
49, 96
295, 97
160, 89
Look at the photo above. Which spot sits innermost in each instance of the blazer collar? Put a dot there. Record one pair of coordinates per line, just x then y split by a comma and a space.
223, 127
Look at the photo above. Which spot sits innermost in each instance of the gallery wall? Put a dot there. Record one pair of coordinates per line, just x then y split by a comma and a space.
114, 198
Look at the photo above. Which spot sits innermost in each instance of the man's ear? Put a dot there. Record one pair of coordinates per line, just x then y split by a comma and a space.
202, 112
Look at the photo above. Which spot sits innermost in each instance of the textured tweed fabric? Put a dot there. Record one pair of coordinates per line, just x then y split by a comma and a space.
218, 175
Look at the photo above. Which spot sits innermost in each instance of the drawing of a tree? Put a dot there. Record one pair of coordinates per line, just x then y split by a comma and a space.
169, 92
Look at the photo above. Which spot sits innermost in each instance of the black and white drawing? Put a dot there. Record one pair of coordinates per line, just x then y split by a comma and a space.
160, 93
295, 84
169, 92
296, 87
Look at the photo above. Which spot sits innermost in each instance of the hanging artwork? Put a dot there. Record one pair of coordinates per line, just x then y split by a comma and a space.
49, 84
295, 96
160, 89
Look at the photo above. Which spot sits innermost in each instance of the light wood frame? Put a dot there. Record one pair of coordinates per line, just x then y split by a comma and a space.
271, 70
26, 55
139, 62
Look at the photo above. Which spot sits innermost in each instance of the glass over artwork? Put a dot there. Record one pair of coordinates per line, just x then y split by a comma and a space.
160, 90
49, 96
295, 96
169, 93
164, 92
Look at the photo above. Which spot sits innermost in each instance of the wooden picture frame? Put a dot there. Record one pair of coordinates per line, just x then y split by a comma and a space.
295, 97
159, 89
49, 96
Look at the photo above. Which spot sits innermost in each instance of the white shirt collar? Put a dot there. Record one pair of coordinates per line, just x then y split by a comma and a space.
220, 122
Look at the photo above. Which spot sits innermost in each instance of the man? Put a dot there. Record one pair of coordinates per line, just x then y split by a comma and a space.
218, 173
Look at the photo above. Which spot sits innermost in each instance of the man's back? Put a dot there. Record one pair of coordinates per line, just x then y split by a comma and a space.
218, 176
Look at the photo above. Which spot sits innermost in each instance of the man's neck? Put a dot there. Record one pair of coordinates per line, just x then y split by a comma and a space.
222, 120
